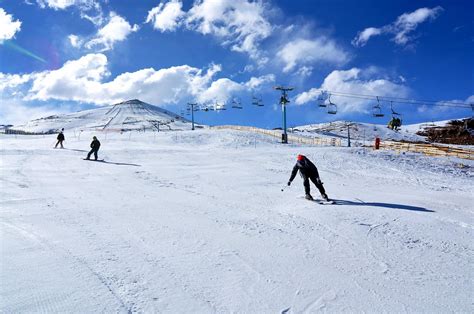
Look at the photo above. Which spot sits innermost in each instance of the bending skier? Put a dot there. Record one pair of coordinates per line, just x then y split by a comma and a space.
95, 145
60, 139
308, 171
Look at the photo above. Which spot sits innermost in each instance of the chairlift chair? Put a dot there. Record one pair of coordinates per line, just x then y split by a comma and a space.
332, 107
321, 100
396, 120
377, 109
257, 101
236, 104
219, 107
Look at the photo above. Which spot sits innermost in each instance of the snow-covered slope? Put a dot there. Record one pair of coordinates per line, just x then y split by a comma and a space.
196, 222
361, 131
129, 115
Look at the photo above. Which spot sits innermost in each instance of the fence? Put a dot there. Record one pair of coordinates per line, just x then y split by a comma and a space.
291, 138
428, 149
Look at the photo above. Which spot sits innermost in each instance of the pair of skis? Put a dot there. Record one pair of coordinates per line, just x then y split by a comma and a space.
316, 200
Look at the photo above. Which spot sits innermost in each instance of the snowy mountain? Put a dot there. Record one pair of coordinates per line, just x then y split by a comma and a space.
128, 115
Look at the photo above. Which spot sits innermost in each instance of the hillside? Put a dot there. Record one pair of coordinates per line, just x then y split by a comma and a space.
359, 132
197, 222
129, 115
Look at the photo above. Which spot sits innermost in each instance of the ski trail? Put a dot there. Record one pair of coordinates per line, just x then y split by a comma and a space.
320, 302
56, 250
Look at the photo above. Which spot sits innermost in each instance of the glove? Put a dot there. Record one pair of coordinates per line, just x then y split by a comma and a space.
289, 183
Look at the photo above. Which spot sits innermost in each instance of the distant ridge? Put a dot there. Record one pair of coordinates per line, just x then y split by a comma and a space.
124, 116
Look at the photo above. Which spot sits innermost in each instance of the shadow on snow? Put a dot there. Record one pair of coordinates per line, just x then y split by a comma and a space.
385, 205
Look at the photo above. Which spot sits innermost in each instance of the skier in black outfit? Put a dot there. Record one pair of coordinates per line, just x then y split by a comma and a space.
60, 139
95, 145
308, 171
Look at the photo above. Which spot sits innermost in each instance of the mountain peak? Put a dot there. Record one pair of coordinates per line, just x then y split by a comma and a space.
132, 114
131, 102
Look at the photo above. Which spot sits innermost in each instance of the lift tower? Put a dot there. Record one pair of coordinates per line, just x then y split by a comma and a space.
283, 101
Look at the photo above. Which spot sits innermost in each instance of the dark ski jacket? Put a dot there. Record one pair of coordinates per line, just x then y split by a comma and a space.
60, 136
95, 144
306, 167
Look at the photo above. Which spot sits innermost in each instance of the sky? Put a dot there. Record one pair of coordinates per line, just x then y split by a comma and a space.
60, 56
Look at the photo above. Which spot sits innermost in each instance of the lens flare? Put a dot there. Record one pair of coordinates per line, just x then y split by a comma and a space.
21, 50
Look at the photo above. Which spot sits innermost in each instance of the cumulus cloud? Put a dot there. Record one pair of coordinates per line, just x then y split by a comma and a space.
400, 28
8, 26
117, 29
240, 24
85, 80
166, 17
354, 81
305, 51
222, 90
64, 4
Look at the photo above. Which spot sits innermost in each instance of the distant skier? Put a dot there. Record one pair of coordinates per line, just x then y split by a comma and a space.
95, 145
308, 171
60, 139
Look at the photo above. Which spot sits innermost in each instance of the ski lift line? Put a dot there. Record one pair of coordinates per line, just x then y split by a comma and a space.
403, 100
362, 96
412, 102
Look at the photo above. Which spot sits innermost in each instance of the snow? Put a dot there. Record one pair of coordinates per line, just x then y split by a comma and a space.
196, 222
361, 133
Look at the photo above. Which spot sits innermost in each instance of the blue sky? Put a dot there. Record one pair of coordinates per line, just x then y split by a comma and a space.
60, 56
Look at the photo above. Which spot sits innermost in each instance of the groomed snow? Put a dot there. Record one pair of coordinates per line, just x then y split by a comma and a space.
196, 222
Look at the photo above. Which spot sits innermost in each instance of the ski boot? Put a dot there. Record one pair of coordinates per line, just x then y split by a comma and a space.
309, 197
325, 197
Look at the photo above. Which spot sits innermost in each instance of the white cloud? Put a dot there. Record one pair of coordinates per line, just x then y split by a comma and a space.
75, 41
470, 99
408, 22
84, 80
363, 37
11, 81
8, 27
304, 51
354, 81
256, 82
117, 29
89, 9
401, 28
14, 111
239, 23
222, 90
64, 4
166, 17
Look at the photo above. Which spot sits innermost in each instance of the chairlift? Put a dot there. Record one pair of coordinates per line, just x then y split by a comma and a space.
377, 109
321, 100
257, 101
236, 103
332, 107
396, 120
219, 107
